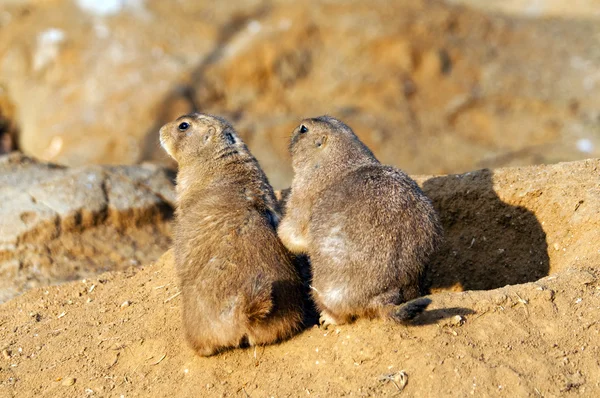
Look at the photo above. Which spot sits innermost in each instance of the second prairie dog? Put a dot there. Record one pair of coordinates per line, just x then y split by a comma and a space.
368, 229
238, 282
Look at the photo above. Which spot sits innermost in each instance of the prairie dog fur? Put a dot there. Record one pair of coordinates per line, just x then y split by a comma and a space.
238, 282
368, 228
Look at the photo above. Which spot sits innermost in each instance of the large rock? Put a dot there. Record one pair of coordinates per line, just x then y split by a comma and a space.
428, 87
431, 87
59, 224
89, 77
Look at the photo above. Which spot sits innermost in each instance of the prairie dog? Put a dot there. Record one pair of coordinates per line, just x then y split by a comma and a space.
368, 228
238, 282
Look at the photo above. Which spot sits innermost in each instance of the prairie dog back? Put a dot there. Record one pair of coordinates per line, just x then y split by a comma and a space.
238, 282
368, 228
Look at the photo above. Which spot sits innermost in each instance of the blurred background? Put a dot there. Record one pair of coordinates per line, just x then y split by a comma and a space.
431, 86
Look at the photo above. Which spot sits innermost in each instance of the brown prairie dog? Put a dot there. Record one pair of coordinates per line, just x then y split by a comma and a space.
238, 282
368, 228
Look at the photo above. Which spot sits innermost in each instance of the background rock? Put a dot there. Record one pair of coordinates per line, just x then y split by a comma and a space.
59, 224
431, 86
585, 9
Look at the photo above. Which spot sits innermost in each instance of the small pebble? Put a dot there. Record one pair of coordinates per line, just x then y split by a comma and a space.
457, 320
125, 304
68, 381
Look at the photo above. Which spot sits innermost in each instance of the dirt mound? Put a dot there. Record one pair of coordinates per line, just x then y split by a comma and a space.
59, 224
120, 333
511, 226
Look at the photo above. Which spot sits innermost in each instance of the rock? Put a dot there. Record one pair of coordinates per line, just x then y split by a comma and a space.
68, 381
457, 320
58, 223
547, 8
116, 54
429, 86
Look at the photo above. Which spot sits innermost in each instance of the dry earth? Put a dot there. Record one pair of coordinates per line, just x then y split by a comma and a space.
119, 333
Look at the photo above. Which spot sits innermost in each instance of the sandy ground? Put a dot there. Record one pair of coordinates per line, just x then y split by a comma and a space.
119, 333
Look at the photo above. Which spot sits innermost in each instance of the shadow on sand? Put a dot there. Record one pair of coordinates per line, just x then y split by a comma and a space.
488, 243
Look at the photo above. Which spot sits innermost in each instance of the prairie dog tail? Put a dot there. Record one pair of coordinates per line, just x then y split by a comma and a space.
405, 312
257, 301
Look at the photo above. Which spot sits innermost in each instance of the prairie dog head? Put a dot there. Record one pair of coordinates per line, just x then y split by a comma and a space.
325, 141
199, 136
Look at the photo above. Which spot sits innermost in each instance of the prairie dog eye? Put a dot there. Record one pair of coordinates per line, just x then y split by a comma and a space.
303, 129
183, 126
230, 139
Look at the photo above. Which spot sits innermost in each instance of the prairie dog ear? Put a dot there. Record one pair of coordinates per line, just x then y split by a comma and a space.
210, 134
319, 142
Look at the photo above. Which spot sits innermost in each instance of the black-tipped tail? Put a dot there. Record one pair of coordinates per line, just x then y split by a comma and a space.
407, 311
257, 304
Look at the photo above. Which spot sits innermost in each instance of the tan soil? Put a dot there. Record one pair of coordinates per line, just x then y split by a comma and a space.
515, 225
119, 334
